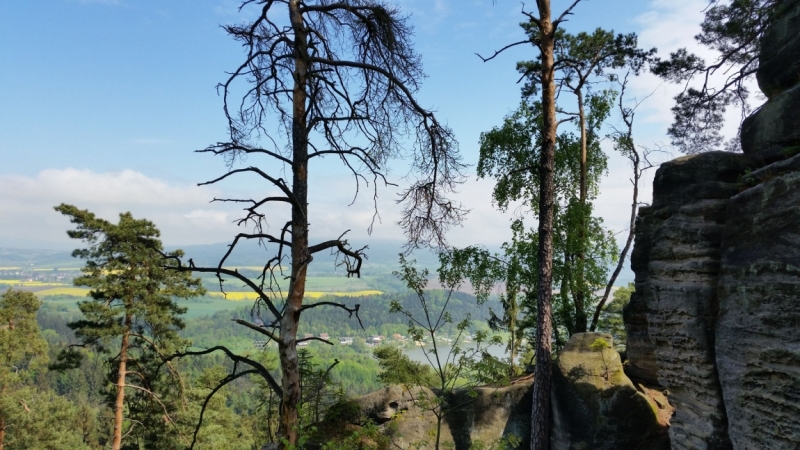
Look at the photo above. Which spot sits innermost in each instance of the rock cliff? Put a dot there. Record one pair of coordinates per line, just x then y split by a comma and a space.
715, 319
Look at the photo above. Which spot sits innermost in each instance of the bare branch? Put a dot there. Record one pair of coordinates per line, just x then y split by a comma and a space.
257, 328
567, 12
350, 311
497, 52
235, 358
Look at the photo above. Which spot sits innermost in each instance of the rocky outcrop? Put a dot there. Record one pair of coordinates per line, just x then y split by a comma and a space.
779, 59
483, 416
758, 329
715, 318
773, 132
676, 261
596, 406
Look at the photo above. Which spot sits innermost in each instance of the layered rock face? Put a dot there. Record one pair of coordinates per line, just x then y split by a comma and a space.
758, 329
596, 406
672, 316
715, 318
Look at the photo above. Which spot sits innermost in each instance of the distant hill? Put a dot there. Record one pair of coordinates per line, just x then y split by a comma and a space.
382, 255
16, 257
382, 258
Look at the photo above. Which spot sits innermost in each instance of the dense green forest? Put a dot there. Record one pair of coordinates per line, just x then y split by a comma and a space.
236, 416
242, 414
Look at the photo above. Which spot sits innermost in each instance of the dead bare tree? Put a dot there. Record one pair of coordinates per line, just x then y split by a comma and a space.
623, 141
328, 78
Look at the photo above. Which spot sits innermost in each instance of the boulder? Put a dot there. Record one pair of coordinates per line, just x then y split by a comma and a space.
779, 59
596, 406
482, 416
758, 329
676, 262
773, 132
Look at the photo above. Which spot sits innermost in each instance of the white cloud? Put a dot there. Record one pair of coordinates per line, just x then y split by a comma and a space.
181, 212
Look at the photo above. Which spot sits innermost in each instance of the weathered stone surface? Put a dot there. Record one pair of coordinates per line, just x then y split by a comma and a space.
773, 132
487, 417
779, 60
676, 262
758, 329
595, 406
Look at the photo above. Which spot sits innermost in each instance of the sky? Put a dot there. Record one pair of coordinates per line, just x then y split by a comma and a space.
103, 102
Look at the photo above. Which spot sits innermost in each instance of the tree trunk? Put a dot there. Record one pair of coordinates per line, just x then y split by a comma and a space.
290, 370
119, 404
580, 294
540, 412
631, 233
2, 432
438, 431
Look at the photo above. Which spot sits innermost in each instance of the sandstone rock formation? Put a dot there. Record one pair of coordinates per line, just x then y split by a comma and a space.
596, 406
483, 417
672, 315
779, 60
758, 329
715, 318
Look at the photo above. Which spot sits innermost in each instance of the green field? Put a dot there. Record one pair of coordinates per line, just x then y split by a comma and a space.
202, 306
66, 299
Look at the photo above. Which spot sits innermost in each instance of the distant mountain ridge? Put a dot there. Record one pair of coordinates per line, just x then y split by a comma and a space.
380, 253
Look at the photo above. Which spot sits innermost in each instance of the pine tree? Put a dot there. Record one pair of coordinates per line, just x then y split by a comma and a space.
30, 417
132, 309
22, 352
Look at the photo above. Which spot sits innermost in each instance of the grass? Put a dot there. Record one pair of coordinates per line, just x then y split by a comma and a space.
236, 296
31, 283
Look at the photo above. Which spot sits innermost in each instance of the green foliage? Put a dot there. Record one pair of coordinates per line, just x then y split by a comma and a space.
611, 317
732, 30
31, 417
133, 286
22, 350
599, 345
368, 437
510, 155
457, 368
397, 368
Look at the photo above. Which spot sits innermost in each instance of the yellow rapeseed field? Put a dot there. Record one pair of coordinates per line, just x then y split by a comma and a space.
78, 292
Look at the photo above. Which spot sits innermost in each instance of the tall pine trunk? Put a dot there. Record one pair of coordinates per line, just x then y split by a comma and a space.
2, 432
580, 295
290, 369
540, 412
119, 404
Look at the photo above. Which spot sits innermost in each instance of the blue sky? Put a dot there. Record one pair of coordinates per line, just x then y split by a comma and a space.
103, 101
